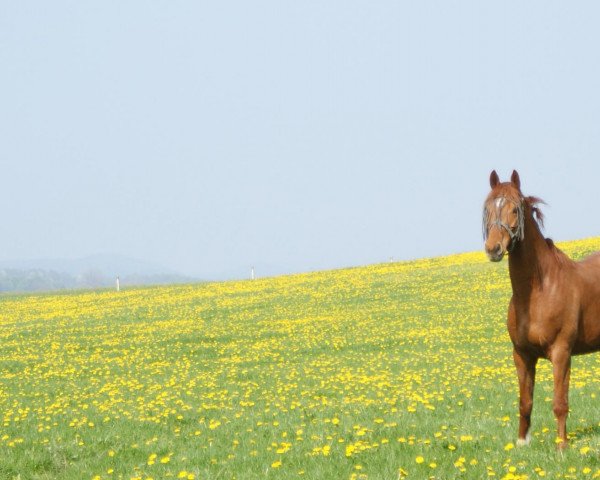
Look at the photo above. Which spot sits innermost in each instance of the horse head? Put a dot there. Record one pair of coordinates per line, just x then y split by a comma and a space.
503, 216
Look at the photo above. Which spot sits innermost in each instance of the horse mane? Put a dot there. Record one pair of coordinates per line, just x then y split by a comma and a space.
533, 204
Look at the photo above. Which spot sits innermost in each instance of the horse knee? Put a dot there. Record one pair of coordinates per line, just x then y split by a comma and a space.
561, 409
525, 407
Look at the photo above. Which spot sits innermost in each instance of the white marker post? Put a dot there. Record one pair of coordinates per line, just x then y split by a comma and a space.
118, 285
252, 273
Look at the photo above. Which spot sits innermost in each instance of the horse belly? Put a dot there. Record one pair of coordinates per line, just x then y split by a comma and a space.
583, 348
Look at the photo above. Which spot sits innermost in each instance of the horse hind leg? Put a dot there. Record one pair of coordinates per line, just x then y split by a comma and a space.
526, 373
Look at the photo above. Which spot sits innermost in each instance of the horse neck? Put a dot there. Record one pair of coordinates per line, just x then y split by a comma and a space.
530, 259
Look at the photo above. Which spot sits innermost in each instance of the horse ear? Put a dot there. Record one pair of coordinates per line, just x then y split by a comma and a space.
494, 179
516, 181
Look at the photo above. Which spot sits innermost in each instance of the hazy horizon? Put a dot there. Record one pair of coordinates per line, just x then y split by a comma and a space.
290, 136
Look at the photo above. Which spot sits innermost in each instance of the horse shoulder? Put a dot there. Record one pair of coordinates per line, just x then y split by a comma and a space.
548, 315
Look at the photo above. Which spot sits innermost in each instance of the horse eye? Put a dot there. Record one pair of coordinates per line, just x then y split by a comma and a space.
515, 210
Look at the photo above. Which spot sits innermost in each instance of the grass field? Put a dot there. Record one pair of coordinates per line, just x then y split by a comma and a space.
381, 372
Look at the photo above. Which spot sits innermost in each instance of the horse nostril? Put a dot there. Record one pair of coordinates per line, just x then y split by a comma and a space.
498, 249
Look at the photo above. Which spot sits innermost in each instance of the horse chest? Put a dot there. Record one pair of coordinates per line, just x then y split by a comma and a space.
539, 336
536, 330
526, 336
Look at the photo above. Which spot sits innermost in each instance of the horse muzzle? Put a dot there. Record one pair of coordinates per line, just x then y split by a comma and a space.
496, 253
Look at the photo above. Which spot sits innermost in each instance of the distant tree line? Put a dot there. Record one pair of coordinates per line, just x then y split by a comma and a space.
38, 280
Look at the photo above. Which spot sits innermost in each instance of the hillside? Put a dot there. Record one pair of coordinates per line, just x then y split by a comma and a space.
95, 271
385, 371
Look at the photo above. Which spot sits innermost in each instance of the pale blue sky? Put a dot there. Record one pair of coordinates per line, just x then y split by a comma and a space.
294, 136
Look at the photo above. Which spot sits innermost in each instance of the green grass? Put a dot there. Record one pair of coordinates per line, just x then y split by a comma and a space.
353, 373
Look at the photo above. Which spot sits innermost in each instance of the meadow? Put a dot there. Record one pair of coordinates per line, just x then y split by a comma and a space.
389, 371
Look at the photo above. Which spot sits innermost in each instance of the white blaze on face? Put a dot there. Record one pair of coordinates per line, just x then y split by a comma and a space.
499, 203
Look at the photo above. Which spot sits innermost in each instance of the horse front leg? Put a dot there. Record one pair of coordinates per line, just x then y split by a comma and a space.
526, 372
561, 366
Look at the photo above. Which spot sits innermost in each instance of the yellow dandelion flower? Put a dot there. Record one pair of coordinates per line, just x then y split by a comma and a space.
350, 450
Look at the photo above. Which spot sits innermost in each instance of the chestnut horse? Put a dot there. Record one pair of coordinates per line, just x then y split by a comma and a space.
554, 311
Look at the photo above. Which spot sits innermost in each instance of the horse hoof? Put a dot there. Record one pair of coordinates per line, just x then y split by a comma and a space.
522, 442
562, 446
